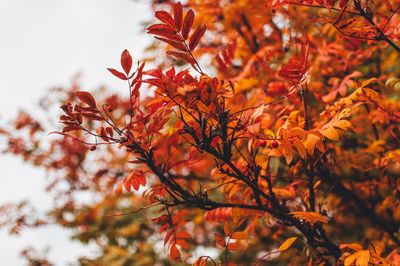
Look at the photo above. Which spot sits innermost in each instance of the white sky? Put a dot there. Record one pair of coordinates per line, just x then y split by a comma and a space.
43, 43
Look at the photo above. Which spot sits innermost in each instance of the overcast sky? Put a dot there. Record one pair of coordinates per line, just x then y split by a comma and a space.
44, 43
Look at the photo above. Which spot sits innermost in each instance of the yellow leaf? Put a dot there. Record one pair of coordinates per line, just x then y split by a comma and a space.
300, 148
330, 132
287, 244
350, 260
368, 81
363, 258
360, 258
287, 151
313, 141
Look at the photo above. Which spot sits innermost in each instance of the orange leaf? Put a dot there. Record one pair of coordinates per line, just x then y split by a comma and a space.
311, 217
287, 244
233, 246
353, 246
360, 258
239, 235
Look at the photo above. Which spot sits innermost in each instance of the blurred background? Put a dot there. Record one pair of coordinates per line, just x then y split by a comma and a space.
45, 43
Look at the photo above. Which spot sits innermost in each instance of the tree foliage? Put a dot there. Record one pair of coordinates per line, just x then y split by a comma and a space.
264, 131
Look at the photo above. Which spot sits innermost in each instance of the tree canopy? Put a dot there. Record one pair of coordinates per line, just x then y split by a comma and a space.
255, 132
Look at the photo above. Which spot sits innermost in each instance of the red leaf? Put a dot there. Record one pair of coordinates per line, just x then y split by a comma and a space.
182, 243
169, 34
70, 128
187, 24
160, 27
174, 253
126, 61
196, 36
221, 62
183, 235
178, 14
179, 215
117, 73
167, 237
92, 116
183, 56
110, 131
87, 98
177, 45
165, 17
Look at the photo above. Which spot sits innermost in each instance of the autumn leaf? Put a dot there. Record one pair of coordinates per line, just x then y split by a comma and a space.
174, 253
87, 98
196, 36
287, 244
220, 240
311, 217
126, 61
165, 17
178, 14
360, 258
239, 235
117, 73
187, 24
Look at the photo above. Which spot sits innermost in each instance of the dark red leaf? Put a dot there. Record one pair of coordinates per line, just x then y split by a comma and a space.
169, 34
110, 131
196, 36
177, 45
126, 61
70, 128
103, 134
92, 116
87, 98
117, 73
187, 24
221, 62
178, 14
160, 27
165, 17
184, 56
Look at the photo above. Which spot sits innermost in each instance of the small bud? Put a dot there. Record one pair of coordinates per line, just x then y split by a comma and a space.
262, 143
274, 144
109, 108
93, 148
